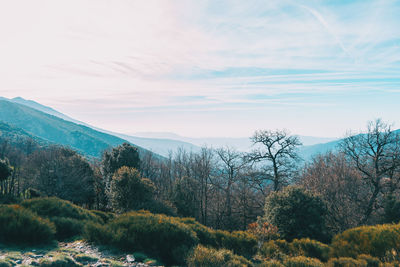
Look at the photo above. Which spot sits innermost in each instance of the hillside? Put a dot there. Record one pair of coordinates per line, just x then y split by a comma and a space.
53, 129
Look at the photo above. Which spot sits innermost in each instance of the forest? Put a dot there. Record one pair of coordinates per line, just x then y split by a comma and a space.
216, 207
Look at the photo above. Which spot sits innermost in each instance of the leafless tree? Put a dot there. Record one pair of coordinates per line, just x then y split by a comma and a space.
279, 150
376, 155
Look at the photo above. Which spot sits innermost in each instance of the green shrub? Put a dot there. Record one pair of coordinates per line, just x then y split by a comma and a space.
85, 259
208, 257
4, 263
157, 235
301, 261
59, 261
22, 227
240, 242
206, 235
105, 216
275, 249
297, 213
371, 261
310, 248
68, 218
271, 263
377, 241
346, 262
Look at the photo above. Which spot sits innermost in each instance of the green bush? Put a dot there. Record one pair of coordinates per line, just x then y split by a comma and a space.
377, 241
59, 261
4, 263
346, 262
371, 261
271, 263
275, 249
240, 242
22, 227
297, 213
105, 216
85, 259
206, 235
157, 235
310, 248
208, 257
68, 218
301, 261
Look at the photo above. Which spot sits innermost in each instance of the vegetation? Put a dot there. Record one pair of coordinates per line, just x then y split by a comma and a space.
20, 226
245, 209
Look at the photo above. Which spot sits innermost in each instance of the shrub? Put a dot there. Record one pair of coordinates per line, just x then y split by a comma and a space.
206, 235
85, 259
240, 242
271, 263
301, 261
157, 235
68, 218
105, 216
371, 261
59, 261
346, 262
297, 213
275, 249
377, 241
310, 248
4, 263
208, 257
22, 227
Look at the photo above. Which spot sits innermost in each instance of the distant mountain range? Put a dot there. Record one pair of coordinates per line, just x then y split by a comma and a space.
46, 123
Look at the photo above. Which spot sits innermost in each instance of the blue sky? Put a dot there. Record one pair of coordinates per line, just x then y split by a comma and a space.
206, 68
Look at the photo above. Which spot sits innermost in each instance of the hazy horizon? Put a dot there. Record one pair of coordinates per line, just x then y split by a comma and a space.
206, 68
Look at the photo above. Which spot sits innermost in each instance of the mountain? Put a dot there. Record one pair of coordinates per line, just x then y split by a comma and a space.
53, 129
240, 143
161, 146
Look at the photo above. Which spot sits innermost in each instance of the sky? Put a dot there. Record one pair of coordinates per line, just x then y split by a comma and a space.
206, 68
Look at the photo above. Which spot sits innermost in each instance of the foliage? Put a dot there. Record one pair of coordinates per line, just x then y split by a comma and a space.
271, 263
208, 257
59, 261
378, 241
120, 156
346, 262
371, 261
310, 248
301, 261
22, 227
68, 218
129, 191
275, 249
184, 196
143, 231
391, 210
5, 169
297, 213
263, 231
240, 242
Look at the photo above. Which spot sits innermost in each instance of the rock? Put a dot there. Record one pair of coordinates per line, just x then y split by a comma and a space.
130, 258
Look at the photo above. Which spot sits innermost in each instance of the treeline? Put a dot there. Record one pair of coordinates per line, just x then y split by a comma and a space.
222, 188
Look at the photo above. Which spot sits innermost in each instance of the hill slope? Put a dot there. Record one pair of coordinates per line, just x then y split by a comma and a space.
56, 130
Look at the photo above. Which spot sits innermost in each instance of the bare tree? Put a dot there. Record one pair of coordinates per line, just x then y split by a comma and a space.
341, 186
278, 148
376, 155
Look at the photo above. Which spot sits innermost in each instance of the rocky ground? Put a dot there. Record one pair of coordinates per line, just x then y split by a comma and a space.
72, 254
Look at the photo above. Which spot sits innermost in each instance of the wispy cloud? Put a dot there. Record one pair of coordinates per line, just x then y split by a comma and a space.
89, 58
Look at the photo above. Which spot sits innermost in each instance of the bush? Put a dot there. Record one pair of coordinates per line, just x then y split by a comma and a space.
310, 248
208, 257
157, 235
271, 263
4, 263
377, 241
346, 262
206, 235
68, 218
59, 261
22, 227
371, 261
297, 213
301, 261
240, 242
105, 216
275, 249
